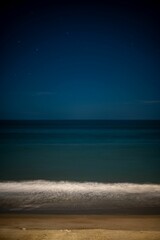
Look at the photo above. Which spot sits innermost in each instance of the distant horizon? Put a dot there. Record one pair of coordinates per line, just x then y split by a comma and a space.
79, 120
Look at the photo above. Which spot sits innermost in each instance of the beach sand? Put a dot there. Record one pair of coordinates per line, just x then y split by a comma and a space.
65, 227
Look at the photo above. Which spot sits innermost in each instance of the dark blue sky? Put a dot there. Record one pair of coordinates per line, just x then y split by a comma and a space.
79, 60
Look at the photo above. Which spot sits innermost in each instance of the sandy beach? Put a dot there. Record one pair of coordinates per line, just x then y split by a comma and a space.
111, 227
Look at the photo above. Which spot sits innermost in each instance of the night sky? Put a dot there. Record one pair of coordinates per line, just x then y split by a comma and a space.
80, 60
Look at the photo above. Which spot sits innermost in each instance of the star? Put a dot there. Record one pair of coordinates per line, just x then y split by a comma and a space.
36, 51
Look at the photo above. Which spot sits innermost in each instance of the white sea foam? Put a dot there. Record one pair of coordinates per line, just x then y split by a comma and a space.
76, 187
40, 194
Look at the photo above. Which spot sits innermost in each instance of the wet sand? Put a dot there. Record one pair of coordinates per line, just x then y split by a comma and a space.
96, 227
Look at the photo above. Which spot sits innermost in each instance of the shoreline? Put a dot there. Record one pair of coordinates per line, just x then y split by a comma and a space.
78, 227
56, 222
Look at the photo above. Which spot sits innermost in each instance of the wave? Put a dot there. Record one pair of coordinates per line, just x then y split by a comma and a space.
65, 196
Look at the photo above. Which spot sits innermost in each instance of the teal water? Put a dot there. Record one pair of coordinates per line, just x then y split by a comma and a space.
80, 167
96, 151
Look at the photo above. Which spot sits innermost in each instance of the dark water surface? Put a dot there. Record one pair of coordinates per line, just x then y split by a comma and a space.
101, 151
80, 166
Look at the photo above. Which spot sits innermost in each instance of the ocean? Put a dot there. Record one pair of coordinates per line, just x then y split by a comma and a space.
80, 166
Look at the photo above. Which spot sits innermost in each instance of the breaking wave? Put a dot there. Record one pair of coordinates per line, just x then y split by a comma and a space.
77, 197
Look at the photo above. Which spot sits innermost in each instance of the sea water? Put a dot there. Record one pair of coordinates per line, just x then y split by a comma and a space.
80, 166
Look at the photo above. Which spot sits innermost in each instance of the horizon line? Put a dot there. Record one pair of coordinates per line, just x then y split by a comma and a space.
79, 120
